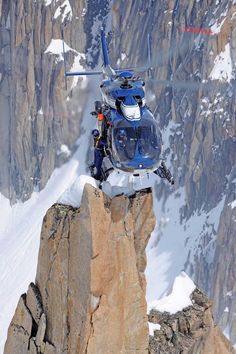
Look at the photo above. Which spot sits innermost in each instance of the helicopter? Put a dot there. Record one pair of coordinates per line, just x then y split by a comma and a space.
128, 126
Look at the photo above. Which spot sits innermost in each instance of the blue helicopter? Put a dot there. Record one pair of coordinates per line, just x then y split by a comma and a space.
132, 134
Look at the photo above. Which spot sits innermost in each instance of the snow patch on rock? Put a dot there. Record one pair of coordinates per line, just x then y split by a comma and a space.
153, 327
233, 204
72, 196
56, 47
64, 150
64, 10
47, 2
222, 69
77, 66
216, 27
178, 299
123, 56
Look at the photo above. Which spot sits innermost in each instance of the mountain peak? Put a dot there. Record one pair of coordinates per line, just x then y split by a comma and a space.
90, 278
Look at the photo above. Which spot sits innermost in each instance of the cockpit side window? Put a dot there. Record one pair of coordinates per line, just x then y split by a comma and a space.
139, 100
118, 101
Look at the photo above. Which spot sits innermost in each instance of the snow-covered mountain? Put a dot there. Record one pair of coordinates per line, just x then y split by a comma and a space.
41, 123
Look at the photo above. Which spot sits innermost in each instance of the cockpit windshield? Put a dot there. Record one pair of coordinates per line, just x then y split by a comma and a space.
142, 141
125, 142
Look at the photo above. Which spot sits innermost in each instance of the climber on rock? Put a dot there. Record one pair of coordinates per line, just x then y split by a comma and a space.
100, 145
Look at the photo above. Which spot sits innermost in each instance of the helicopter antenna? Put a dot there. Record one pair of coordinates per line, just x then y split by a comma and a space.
64, 57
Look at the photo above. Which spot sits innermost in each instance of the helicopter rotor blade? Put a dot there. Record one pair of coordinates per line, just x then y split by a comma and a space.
133, 70
195, 85
82, 73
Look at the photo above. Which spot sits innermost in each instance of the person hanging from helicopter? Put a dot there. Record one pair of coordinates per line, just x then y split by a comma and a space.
100, 147
121, 137
98, 112
101, 112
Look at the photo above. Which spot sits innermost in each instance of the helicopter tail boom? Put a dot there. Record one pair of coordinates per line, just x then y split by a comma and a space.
104, 49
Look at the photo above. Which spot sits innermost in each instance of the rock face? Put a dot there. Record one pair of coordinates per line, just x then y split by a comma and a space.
199, 126
191, 331
37, 113
89, 295
20, 329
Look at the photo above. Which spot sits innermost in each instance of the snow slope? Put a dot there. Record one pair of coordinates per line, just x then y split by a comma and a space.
20, 224
19, 241
175, 241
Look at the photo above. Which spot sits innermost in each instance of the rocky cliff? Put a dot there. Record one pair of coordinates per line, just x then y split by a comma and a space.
37, 114
199, 129
89, 292
191, 331
90, 287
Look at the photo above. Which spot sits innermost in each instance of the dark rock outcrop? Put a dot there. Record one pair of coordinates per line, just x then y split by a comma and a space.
191, 331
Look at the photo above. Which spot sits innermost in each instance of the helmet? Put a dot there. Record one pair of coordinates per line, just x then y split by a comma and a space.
122, 134
95, 132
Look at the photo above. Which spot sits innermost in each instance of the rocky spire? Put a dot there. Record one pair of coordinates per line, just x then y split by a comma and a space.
89, 295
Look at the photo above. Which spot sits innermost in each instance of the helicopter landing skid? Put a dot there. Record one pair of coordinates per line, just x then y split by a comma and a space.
163, 172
